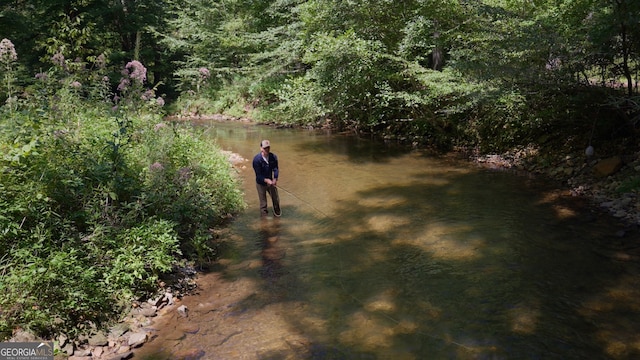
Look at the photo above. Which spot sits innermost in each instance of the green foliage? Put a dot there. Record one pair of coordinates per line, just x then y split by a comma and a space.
98, 200
502, 122
629, 185
298, 102
348, 74
501, 62
179, 182
308, 61
50, 290
138, 255
85, 29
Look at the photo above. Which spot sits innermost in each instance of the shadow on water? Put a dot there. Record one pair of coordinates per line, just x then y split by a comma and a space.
357, 150
447, 277
271, 253
422, 277
436, 263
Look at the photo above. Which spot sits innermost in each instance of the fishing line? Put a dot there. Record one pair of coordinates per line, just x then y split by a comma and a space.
303, 201
357, 300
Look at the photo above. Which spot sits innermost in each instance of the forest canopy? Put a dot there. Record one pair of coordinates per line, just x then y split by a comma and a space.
491, 74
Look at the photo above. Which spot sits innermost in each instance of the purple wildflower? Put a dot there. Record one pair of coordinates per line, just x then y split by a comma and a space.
58, 59
156, 166
42, 76
101, 61
76, 84
124, 84
160, 101
147, 95
553, 64
204, 72
184, 174
7, 51
137, 71
59, 133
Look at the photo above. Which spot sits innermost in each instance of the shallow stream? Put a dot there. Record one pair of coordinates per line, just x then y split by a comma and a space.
391, 253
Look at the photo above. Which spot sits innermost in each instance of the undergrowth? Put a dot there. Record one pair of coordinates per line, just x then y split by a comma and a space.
99, 197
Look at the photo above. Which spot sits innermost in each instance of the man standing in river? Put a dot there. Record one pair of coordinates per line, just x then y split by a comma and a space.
265, 165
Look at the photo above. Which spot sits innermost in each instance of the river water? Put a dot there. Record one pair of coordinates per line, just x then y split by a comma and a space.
390, 253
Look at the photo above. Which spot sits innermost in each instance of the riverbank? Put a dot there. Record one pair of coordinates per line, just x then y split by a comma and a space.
610, 184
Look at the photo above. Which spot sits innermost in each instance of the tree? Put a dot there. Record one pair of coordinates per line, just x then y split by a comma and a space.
84, 29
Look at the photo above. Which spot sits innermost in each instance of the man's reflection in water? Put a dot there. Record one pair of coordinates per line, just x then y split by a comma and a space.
271, 253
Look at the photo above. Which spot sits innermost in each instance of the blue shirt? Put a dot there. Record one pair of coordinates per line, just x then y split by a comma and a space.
265, 170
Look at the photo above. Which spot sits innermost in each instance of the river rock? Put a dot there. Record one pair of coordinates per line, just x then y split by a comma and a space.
183, 311
68, 348
137, 339
81, 353
124, 349
607, 167
169, 298
119, 330
607, 204
98, 351
156, 301
62, 340
626, 201
23, 336
120, 356
190, 328
148, 312
98, 339
620, 214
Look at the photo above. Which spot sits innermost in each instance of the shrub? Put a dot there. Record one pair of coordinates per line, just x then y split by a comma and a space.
97, 202
187, 181
50, 290
137, 256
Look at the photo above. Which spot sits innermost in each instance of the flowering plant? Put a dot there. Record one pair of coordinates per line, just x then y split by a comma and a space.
8, 57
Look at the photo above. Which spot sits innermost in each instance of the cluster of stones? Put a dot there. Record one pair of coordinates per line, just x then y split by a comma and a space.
196, 115
135, 328
613, 186
120, 340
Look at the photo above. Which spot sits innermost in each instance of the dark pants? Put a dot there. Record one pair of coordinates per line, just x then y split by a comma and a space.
262, 195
